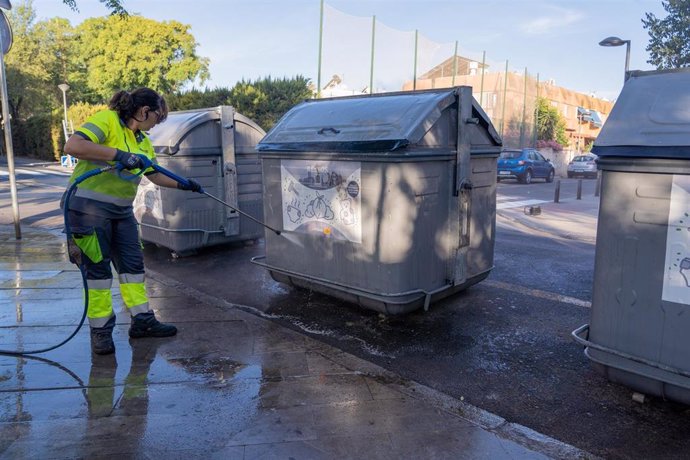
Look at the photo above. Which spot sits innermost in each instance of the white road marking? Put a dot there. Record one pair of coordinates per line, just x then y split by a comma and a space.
516, 204
33, 172
538, 293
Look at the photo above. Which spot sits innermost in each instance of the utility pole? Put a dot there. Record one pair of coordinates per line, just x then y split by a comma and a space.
6, 32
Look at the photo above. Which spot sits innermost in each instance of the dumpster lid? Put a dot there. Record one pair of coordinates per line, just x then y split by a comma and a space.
651, 117
166, 137
379, 122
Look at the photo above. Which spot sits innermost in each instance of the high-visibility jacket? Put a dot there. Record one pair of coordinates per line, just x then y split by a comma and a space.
113, 193
114, 187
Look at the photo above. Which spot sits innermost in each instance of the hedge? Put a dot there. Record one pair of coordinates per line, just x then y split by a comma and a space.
42, 137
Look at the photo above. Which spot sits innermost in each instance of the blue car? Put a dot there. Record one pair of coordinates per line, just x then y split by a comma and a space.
524, 165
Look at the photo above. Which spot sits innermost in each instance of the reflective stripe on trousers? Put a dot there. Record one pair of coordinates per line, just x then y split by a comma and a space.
133, 291
118, 241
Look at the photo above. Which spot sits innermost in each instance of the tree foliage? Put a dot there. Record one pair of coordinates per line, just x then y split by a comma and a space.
197, 99
37, 61
669, 38
119, 52
264, 100
550, 123
267, 99
115, 6
95, 59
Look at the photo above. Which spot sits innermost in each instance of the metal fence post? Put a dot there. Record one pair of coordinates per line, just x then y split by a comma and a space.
557, 191
579, 189
373, 43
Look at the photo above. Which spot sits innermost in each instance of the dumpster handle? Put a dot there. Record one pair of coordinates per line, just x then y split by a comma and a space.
427, 294
331, 129
576, 334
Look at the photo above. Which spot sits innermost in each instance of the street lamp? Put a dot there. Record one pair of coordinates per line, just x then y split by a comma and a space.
615, 41
64, 87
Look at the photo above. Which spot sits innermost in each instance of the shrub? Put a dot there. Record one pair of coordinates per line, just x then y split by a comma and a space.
33, 137
553, 145
77, 114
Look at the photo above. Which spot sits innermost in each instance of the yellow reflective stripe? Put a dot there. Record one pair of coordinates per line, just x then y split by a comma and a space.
100, 303
135, 388
100, 395
133, 294
135, 378
106, 128
89, 246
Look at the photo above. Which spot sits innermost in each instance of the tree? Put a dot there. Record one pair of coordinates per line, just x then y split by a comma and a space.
550, 123
197, 99
37, 61
267, 99
669, 38
119, 52
115, 6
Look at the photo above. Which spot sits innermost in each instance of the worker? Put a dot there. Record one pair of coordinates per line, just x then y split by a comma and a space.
101, 218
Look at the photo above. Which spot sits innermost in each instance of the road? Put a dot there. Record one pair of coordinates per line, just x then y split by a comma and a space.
38, 189
503, 345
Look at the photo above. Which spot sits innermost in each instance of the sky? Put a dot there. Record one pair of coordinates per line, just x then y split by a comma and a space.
251, 39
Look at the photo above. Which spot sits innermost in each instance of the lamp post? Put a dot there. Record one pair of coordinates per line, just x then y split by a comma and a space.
64, 87
579, 131
615, 41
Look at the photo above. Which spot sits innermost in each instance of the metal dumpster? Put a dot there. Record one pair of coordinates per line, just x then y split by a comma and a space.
387, 201
217, 147
638, 330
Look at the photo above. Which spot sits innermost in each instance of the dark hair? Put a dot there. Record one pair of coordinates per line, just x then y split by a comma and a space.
126, 104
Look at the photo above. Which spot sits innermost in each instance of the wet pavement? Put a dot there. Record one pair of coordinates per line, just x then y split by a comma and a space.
230, 384
503, 345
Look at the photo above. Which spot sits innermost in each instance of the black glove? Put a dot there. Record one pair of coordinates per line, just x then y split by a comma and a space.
128, 160
191, 185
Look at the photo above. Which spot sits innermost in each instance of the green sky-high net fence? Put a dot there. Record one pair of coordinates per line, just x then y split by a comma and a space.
362, 55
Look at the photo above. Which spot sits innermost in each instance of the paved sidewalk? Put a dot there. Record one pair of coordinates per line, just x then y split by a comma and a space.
229, 385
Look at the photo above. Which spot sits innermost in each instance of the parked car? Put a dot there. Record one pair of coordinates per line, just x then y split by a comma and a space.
585, 165
524, 165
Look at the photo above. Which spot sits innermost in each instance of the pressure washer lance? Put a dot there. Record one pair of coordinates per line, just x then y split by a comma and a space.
75, 255
185, 182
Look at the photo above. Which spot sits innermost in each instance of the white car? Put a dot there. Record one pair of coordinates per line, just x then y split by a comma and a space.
583, 165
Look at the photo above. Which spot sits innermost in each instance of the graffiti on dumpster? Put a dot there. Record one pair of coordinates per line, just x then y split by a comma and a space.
322, 197
148, 201
677, 267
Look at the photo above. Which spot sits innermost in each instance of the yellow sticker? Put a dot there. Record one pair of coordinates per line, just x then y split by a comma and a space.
327, 231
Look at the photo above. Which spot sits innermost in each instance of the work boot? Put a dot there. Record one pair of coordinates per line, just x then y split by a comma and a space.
146, 325
102, 338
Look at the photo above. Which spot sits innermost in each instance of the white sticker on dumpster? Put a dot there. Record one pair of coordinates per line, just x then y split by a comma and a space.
148, 200
322, 197
677, 268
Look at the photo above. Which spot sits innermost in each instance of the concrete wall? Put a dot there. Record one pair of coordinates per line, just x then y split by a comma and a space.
559, 160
